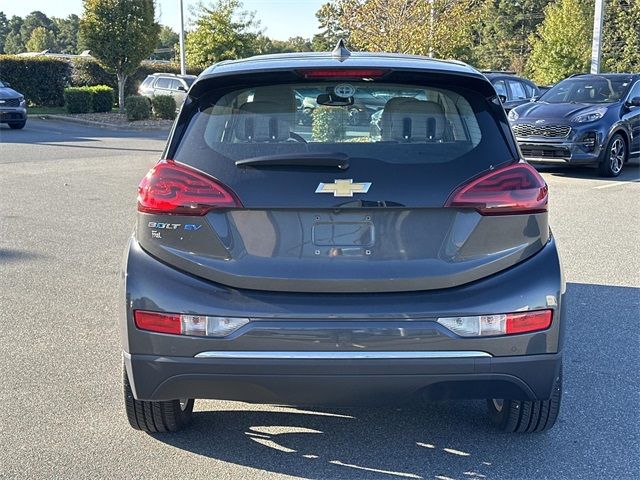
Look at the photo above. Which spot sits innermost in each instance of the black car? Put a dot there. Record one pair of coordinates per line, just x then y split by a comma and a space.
13, 107
513, 90
274, 265
583, 120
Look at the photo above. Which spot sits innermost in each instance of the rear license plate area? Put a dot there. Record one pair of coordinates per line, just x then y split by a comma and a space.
343, 234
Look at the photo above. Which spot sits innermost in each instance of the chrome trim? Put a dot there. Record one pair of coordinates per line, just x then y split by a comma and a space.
258, 355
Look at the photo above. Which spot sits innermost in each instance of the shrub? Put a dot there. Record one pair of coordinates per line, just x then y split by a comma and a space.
329, 124
40, 79
137, 107
102, 98
164, 106
78, 100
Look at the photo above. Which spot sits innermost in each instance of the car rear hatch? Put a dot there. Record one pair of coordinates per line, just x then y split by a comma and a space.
253, 198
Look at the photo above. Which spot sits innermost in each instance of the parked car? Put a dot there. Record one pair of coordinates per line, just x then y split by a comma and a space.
13, 107
583, 120
513, 90
271, 267
176, 86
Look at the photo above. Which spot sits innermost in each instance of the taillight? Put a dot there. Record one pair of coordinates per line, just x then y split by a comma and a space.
515, 189
345, 73
501, 324
192, 325
172, 188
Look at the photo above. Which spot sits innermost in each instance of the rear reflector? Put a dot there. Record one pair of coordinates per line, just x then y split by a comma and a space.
333, 73
515, 189
192, 325
172, 188
502, 324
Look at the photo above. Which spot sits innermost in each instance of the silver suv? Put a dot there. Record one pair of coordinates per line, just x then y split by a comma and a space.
171, 84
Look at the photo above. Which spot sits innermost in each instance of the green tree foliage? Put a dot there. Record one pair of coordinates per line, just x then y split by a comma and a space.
332, 28
67, 37
223, 31
442, 28
41, 39
4, 30
167, 38
503, 33
621, 47
13, 42
32, 21
562, 44
120, 34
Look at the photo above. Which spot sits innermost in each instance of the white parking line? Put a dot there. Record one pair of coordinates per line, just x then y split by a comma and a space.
616, 184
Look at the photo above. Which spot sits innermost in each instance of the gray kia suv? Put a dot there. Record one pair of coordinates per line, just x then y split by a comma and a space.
13, 107
274, 262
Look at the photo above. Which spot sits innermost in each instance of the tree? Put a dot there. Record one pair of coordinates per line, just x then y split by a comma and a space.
442, 28
41, 39
503, 33
4, 30
167, 38
120, 34
621, 44
223, 31
330, 17
562, 43
67, 38
13, 42
32, 21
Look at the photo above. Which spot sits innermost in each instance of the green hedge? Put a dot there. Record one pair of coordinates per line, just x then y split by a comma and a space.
40, 79
102, 98
329, 124
137, 108
164, 106
78, 100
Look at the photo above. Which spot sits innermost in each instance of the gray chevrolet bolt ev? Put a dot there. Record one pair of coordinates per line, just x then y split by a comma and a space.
275, 262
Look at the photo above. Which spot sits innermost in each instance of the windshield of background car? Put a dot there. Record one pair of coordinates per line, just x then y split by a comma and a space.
591, 90
189, 81
395, 123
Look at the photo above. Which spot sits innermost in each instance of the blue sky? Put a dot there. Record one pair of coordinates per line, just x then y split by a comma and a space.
280, 18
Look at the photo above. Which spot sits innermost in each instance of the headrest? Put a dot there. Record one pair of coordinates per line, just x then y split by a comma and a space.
409, 119
262, 122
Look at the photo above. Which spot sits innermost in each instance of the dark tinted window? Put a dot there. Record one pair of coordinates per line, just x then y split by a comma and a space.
588, 90
501, 88
394, 123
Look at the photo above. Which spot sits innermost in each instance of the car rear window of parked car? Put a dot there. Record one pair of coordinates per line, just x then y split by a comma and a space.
395, 123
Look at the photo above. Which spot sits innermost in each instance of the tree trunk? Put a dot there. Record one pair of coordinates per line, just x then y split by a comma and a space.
122, 80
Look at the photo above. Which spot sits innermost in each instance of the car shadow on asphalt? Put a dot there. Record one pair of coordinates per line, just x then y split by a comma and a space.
631, 172
454, 440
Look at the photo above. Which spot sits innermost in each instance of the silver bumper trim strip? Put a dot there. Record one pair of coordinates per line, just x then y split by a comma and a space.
259, 355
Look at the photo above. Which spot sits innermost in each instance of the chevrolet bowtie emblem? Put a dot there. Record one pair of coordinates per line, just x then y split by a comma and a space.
343, 188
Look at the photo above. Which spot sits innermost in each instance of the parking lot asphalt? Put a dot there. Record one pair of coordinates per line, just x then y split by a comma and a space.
67, 206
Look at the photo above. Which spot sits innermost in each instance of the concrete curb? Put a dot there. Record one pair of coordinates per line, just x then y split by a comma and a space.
111, 126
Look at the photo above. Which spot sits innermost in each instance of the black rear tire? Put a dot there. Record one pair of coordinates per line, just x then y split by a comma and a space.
156, 417
526, 416
614, 157
18, 125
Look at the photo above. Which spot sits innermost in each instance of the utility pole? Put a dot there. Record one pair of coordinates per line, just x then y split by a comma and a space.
183, 62
596, 49
432, 15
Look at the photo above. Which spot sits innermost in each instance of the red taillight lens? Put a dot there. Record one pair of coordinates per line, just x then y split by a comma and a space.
528, 321
334, 73
157, 322
171, 188
518, 188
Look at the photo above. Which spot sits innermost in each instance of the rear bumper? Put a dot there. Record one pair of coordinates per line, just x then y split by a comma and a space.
342, 382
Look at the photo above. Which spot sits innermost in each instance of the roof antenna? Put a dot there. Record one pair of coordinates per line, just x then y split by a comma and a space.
341, 52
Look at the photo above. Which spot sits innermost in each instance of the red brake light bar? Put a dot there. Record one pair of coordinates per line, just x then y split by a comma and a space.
343, 73
515, 189
172, 188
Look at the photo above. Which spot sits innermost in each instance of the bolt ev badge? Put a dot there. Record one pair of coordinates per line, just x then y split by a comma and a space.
343, 188
541, 121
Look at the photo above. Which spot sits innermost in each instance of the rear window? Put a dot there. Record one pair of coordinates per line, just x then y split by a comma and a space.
395, 123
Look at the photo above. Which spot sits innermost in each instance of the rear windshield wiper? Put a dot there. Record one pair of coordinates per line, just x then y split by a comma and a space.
335, 160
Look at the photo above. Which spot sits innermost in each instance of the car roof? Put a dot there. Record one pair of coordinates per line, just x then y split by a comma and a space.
284, 61
604, 75
173, 75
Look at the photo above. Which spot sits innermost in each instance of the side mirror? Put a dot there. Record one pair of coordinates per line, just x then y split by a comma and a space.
535, 98
181, 88
634, 102
503, 98
6, 84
